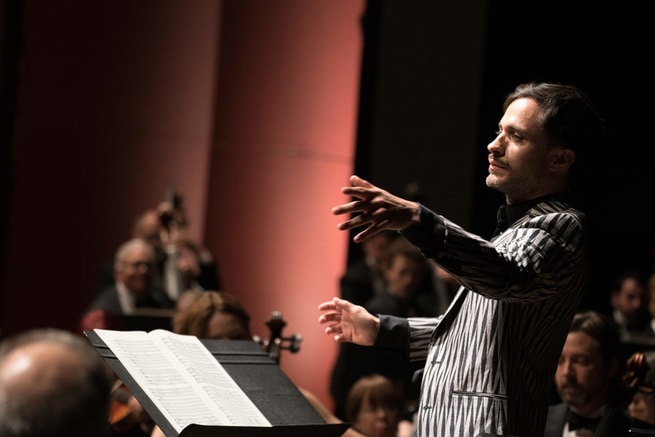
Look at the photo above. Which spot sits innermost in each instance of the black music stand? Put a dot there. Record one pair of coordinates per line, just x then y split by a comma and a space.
259, 376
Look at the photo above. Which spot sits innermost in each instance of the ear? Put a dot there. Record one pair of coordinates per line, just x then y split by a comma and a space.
561, 159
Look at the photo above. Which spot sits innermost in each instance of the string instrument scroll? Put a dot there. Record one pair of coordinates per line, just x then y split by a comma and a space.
276, 341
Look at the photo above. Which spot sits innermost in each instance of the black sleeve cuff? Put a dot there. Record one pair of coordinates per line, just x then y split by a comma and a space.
393, 333
429, 235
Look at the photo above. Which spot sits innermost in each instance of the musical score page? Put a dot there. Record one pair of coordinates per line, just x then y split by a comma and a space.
183, 379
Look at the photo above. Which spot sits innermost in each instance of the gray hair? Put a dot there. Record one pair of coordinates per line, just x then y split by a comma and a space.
129, 246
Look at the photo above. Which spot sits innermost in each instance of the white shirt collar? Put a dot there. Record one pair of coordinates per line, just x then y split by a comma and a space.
126, 300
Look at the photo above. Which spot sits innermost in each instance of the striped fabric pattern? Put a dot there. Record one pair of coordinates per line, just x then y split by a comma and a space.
490, 363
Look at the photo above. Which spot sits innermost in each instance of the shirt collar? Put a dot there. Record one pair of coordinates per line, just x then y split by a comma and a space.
125, 299
518, 210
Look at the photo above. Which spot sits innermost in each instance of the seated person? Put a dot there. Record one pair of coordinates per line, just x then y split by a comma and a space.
409, 289
133, 291
363, 277
52, 383
165, 228
375, 407
628, 299
182, 305
214, 315
118, 307
588, 379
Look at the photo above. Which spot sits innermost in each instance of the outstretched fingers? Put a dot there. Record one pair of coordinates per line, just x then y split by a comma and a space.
332, 318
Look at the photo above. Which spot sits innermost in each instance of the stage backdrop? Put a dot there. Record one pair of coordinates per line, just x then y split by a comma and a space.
248, 108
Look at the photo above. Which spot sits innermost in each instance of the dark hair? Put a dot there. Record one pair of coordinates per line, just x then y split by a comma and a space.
402, 247
602, 329
379, 390
568, 117
606, 333
620, 278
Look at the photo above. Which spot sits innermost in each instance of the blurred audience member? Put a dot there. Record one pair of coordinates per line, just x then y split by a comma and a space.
190, 266
177, 251
182, 305
363, 278
409, 290
375, 407
588, 380
181, 262
133, 293
650, 293
52, 383
134, 289
628, 300
215, 315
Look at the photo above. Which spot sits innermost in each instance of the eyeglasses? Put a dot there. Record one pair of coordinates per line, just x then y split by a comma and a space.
139, 264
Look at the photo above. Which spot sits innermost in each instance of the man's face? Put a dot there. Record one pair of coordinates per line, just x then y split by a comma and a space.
582, 377
629, 299
135, 271
519, 157
404, 275
377, 247
188, 264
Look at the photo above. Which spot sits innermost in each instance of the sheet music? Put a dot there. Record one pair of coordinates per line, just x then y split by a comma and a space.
183, 379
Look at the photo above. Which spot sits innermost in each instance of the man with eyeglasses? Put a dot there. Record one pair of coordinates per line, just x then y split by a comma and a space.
134, 289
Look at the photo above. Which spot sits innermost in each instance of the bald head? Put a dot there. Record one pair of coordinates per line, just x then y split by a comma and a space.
41, 369
52, 383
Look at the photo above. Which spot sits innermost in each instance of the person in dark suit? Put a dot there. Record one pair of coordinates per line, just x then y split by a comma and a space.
589, 381
629, 302
489, 360
181, 262
133, 291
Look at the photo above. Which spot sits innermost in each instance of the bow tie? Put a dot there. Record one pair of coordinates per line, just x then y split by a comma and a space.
577, 421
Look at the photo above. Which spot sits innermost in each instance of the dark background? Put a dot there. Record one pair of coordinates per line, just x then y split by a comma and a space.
605, 49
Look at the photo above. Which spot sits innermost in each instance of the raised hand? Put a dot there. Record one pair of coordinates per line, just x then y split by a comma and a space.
377, 209
347, 322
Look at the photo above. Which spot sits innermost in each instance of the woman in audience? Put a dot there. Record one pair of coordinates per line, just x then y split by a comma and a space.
215, 315
375, 406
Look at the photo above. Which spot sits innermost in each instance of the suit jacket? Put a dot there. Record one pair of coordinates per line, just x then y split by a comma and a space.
613, 423
556, 420
490, 359
105, 311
